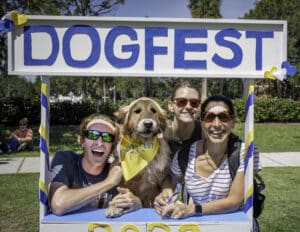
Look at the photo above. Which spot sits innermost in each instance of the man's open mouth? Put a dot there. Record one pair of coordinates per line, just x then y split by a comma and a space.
97, 153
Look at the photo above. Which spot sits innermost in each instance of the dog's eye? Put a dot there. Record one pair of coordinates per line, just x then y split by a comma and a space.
153, 110
137, 111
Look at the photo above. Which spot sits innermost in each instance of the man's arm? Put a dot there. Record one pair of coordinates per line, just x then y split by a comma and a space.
64, 199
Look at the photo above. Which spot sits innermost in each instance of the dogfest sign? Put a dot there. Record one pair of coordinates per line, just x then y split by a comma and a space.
163, 47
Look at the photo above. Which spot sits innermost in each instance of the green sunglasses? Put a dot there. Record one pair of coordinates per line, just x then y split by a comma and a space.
94, 135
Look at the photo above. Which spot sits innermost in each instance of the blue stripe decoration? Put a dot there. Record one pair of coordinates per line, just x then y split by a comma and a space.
43, 198
250, 101
44, 102
249, 203
44, 148
249, 154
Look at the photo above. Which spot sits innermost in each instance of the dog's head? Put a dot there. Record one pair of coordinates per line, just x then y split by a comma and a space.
143, 118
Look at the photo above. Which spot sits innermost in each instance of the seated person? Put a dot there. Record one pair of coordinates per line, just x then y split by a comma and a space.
207, 177
86, 180
21, 139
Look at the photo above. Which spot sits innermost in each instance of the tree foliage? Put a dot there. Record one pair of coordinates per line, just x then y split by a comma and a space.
205, 8
87, 7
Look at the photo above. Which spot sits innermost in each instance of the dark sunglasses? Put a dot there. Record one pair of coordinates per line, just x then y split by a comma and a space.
94, 135
22, 124
182, 102
223, 117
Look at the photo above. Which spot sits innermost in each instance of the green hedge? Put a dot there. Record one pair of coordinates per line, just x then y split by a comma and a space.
270, 110
11, 111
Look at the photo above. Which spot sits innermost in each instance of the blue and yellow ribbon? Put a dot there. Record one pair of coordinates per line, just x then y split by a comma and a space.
248, 155
44, 144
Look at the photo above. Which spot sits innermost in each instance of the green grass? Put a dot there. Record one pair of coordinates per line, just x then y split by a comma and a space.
269, 137
19, 208
274, 137
19, 205
282, 204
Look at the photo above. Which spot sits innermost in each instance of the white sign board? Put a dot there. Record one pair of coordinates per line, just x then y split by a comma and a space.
165, 47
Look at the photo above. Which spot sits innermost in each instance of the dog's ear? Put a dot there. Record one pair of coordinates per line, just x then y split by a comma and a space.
162, 120
121, 114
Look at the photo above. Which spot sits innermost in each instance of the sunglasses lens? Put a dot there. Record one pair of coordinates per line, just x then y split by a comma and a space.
224, 117
94, 135
107, 137
209, 117
194, 103
181, 102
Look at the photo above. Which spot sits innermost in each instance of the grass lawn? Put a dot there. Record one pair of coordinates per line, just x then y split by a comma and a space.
19, 208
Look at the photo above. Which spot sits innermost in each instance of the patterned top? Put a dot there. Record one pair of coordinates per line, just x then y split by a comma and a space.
216, 186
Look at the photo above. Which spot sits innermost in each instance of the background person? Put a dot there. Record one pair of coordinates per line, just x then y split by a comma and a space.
86, 180
21, 139
184, 129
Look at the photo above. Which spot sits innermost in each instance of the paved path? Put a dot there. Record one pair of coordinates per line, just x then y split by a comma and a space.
32, 164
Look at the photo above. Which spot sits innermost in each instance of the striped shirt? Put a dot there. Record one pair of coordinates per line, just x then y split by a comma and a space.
214, 187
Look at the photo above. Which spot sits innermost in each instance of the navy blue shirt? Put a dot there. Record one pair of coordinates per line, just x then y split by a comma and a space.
66, 168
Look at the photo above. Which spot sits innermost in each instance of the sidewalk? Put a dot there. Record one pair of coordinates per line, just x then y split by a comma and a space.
32, 164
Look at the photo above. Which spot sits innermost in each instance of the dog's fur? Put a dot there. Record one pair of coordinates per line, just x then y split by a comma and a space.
142, 120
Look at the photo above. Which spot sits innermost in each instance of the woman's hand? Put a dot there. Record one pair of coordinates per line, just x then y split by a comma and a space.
162, 199
126, 200
178, 210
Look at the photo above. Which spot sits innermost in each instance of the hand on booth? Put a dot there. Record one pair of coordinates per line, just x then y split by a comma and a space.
122, 203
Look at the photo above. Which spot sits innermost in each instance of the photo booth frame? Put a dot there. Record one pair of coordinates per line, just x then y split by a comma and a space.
145, 47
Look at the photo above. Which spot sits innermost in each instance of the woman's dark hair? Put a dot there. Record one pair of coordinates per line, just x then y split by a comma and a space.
217, 98
183, 84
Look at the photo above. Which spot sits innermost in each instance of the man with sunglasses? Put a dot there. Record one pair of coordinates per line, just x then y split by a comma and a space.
86, 180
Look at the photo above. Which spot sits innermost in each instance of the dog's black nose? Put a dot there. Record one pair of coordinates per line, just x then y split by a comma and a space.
148, 124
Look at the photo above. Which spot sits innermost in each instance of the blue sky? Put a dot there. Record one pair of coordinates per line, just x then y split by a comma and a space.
178, 8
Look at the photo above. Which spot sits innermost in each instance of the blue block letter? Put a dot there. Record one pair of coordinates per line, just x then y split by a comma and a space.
181, 47
109, 47
259, 35
95, 51
28, 60
150, 49
236, 50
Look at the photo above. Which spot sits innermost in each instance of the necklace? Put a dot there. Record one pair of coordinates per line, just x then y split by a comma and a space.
213, 164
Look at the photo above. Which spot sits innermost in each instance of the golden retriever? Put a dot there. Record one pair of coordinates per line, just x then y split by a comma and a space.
142, 121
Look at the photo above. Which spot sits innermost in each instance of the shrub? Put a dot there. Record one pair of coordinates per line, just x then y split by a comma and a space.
12, 110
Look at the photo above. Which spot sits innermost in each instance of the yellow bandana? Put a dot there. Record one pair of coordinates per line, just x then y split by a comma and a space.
134, 157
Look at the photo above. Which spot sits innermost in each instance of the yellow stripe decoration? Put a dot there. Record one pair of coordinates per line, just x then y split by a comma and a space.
42, 186
42, 131
249, 192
